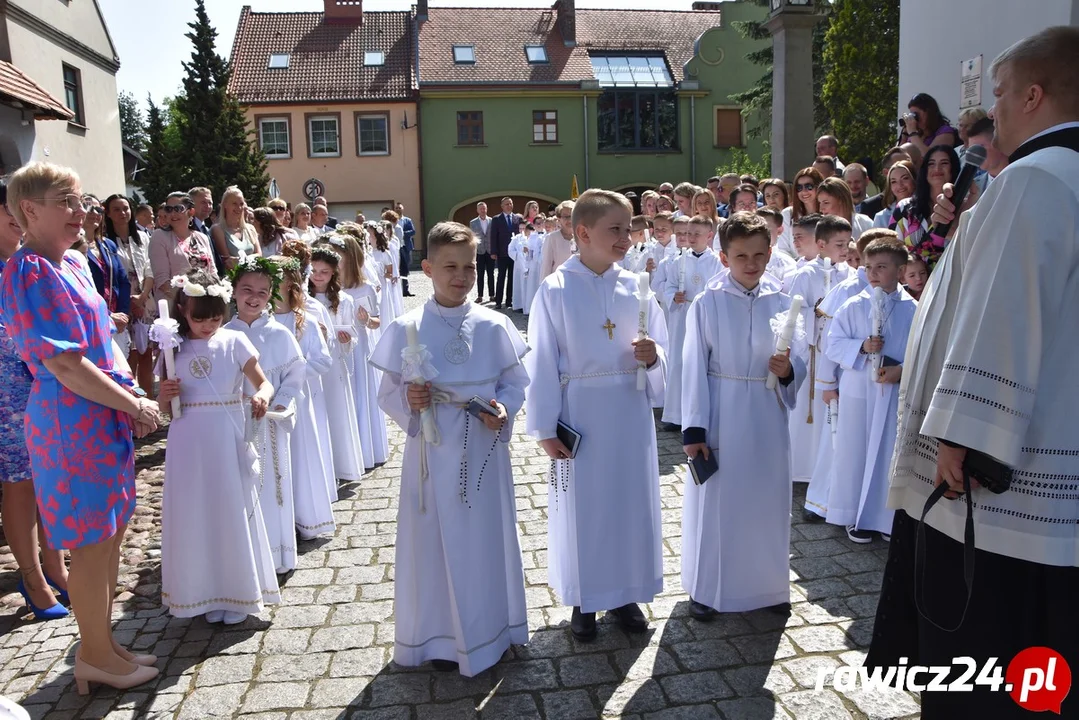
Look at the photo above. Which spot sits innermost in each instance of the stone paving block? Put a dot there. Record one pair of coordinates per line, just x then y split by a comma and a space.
706, 654
568, 705
759, 680
288, 642
346, 637
460, 710
527, 675
692, 712
756, 708
690, 688
639, 664
225, 670
822, 638
218, 701
510, 707
283, 668
581, 670
812, 705
300, 617
400, 689
805, 670
454, 686
353, 663
633, 696
394, 713
339, 692
883, 703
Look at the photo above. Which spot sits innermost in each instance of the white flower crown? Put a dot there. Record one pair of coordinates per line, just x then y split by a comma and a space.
221, 290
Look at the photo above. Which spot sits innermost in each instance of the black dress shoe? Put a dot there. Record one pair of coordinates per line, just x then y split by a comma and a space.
810, 516
445, 665
700, 611
498, 306
670, 427
783, 608
583, 625
630, 618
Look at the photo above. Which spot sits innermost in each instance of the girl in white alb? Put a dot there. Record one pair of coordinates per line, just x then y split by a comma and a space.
382, 252
310, 484
325, 286
215, 553
255, 282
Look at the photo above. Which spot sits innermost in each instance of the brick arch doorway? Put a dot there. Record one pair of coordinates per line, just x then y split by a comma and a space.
467, 210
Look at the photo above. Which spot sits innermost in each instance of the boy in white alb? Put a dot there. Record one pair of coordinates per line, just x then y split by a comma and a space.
459, 586
604, 527
736, 526
813, 281
869, 392
780, 265
804, 241
687, 277
816, 506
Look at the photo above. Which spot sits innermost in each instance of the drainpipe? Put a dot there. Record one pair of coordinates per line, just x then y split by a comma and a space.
584, 106
693, 137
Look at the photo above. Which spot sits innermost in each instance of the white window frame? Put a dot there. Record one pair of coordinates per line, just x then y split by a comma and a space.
472, 51
270, 65
374, 58
311, 135
386, 125
288, 137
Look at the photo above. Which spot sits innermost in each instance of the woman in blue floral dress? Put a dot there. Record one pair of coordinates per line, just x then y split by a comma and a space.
19, 507
81, 413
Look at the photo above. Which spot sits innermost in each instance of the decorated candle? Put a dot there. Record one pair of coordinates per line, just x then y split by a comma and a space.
427, 417
170, 357
783, 343
645, 298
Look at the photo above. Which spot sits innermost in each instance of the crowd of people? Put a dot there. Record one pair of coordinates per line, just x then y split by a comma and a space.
766, 322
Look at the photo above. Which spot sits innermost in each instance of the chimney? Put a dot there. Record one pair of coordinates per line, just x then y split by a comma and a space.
567, 21
344, 11
421, 9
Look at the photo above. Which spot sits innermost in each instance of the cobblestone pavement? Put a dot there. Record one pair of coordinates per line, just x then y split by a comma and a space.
325, 652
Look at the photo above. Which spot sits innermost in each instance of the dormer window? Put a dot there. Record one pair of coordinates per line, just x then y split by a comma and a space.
536, 54
374, 58
278, 61
464, 54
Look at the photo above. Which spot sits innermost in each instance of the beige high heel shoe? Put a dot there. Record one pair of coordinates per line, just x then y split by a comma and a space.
144, 660
86, 674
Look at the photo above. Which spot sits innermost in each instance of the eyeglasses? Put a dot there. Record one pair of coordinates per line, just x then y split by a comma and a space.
73, 202
566, 217
805, 187
175, 208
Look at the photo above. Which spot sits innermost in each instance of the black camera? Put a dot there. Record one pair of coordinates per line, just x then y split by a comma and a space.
994, 476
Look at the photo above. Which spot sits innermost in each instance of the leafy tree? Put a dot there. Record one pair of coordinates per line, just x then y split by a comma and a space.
740, 162
162, 173
862, 55
756, 102
217, 147
132, 127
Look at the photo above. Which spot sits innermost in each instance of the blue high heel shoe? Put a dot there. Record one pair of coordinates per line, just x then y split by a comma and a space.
55, 612
62, 593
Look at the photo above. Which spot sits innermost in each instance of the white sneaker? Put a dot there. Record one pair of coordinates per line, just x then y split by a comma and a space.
215, 616
234, 618
885, 537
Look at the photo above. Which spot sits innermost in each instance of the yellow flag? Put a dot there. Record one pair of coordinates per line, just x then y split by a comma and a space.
573, 192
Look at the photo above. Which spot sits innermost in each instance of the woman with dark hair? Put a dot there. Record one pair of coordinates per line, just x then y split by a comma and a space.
133, 246
178, 249
107, 269
19, 512
804, 203
271, 233
911, 217
776, 194
924, 126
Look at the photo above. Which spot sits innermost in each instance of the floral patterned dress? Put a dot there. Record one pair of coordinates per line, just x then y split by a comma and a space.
81, 453
14, 394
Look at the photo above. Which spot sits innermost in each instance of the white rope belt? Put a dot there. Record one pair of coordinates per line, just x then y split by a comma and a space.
564, 379
438, 397
746, 378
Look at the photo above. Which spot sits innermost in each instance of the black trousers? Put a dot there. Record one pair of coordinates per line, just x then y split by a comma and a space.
406, 265
485, 265
505, 280
1015, 604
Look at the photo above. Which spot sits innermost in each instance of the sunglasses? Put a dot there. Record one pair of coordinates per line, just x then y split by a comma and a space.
95, 210
805, 187
175, 208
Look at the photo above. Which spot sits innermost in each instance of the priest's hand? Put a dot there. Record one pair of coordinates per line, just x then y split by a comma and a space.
495, 422
419, 397
890, 375
872, 345
679, 298
950, 469
696, 448
554, 448
645, 351
780, 365
829, 395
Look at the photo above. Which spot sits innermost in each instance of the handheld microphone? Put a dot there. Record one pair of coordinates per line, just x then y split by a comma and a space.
972, 163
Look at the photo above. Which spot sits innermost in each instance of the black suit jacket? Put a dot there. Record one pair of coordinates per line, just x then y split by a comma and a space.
871, 205
501, 234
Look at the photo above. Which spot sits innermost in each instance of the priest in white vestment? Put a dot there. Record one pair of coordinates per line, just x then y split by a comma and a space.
990, 370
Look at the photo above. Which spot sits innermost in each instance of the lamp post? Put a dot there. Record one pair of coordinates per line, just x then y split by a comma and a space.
791, 24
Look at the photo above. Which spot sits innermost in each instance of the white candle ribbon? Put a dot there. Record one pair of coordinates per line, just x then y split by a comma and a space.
788, 327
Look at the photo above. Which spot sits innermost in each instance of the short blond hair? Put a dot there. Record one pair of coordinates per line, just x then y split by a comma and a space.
564, 205
1048, 59
445, 234
703, 220
33, 181
593, 204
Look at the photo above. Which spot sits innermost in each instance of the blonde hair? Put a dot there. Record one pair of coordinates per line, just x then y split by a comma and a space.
33, 181
564, 205
713, 214
703, 220
230, 192
1048, 59
293, 283
593, 204
350, 269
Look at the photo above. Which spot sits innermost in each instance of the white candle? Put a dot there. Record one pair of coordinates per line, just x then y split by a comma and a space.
682, 272
170, 357
878, 323
833, 410
426, 416
827, 274
784, 342
642, 324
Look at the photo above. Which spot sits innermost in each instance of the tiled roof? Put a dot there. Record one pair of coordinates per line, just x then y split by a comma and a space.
500, 34
18, 86
325, 59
